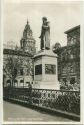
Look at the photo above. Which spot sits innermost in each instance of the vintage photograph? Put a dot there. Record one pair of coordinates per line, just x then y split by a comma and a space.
41, 61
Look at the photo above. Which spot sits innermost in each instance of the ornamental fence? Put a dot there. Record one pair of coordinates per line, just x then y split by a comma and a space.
68, 101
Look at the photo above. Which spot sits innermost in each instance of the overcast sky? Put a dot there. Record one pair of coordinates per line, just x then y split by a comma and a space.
62, 16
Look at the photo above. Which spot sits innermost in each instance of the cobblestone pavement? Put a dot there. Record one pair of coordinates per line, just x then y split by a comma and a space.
14, 112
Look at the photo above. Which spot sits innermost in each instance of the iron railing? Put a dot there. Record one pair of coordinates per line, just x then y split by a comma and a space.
68, 101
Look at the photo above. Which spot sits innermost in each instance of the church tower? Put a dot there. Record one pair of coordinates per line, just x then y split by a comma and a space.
27, 42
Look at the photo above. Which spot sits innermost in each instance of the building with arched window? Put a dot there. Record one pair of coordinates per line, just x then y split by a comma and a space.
18, 62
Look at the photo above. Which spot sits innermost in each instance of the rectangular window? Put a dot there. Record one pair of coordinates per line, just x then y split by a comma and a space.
64, 80
72, 80
50, 69
64, 70
38, 69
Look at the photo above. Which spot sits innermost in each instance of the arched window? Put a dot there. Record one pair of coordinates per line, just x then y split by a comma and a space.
21, 81
8, 82
15, 81
72, 40
27, 83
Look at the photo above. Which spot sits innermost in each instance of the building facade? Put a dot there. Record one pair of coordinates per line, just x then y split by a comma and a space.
69, 58
18, 62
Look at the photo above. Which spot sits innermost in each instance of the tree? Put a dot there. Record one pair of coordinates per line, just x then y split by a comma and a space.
28, 64
14, 63
11, 66
56, 46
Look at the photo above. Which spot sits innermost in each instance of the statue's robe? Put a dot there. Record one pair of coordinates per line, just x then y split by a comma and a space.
45, 37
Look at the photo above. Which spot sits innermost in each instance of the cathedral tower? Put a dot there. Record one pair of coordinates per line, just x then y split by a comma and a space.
27, 42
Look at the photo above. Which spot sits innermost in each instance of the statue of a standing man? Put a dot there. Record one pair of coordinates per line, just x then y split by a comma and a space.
45, 34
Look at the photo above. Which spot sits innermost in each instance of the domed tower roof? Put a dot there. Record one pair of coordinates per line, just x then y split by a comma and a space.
27, 33
27, 42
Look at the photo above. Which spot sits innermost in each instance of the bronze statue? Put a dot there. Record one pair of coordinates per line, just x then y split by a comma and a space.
45, 34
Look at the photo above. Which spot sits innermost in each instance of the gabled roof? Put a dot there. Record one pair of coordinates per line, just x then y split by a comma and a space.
72, 29
16, 52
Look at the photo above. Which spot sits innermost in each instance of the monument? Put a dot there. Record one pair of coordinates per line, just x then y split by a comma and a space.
45, 62
45, 34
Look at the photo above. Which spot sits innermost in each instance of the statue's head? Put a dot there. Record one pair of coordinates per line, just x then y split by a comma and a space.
44, 19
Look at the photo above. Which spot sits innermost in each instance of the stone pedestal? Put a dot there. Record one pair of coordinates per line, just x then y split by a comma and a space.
45, 70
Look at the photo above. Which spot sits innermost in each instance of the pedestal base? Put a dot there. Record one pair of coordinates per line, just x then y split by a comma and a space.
45, 70
46, 85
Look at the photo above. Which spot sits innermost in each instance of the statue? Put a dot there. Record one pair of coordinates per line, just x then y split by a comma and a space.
45, 34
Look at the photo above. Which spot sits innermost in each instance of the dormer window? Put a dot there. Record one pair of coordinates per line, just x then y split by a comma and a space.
72, 40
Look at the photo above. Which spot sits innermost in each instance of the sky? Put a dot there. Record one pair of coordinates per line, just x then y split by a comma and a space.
62, 17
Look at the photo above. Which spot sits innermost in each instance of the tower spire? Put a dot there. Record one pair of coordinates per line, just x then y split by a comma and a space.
27, 22
27, 42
